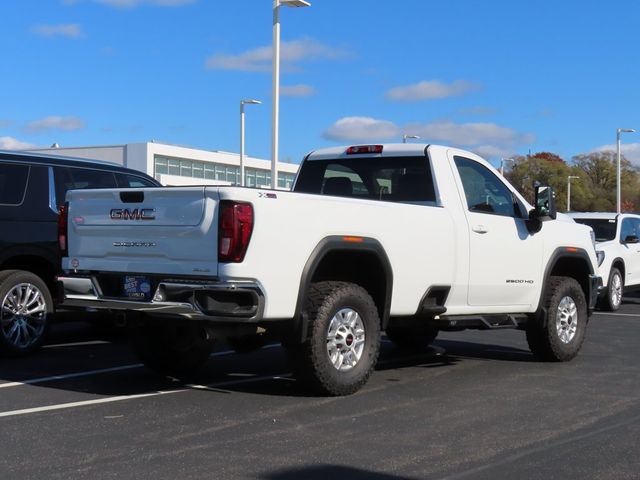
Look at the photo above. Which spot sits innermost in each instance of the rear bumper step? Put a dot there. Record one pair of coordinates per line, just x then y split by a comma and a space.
237, 302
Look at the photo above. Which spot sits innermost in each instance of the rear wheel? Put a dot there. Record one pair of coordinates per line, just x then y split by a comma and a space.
26, 309
175, 348
342, 347
561, 338
412, 338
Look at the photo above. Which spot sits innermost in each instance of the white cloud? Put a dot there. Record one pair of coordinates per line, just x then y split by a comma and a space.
361, 129
55, 123
69, 30
297, 91
470, 134
631, 151
487, 139
138, 3
430, 89
10, 143
259, 59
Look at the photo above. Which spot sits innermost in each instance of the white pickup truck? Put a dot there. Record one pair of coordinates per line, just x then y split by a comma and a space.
406, 239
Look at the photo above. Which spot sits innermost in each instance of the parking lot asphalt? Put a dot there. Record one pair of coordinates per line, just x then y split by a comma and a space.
475, 406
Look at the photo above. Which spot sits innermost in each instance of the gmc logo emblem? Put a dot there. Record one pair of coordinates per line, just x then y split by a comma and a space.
135, 214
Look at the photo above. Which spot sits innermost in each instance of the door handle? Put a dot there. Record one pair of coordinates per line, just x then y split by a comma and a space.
480, 229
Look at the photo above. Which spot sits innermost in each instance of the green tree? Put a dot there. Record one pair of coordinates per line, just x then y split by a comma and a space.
546, 168
598, 169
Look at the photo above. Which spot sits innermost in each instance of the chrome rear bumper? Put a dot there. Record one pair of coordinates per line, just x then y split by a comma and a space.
237, 301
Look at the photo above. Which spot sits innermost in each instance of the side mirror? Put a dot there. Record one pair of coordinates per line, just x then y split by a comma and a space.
631, 239
545, 202
545, 208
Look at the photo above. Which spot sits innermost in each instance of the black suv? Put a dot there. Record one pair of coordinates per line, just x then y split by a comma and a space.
32, 191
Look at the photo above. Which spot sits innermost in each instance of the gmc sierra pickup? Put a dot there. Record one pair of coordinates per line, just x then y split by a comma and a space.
406, 239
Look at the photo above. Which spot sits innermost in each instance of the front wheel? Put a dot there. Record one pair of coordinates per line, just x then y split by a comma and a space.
561, 338
615, 288
342, 347
26, 308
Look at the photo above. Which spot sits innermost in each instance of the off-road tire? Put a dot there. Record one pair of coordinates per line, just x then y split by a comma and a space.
545, 342
612, 299
174, 348
326, 303
23, 334
411, 338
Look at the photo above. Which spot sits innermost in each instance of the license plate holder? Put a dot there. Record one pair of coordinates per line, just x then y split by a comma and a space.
136, 287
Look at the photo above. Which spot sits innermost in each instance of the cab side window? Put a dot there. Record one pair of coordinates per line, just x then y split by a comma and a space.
629, 227
484, 192
13, 183
80, 178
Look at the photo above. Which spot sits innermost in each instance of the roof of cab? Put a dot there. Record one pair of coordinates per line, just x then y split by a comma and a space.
388, 150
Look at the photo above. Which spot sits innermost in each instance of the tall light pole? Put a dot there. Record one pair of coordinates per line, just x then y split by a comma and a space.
618, 175
275, 112
242, 104
569, 177
405, 137
502, 160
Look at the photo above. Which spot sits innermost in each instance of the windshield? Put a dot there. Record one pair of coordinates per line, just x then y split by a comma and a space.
604, 228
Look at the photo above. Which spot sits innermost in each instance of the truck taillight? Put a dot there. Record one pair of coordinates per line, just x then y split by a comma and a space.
234, 232
62, 229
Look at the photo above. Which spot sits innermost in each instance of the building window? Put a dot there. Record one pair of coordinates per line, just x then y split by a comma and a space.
198, 169
186, 168
161, 166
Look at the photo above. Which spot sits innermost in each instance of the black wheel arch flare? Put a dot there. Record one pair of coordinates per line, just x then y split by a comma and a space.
572, 254
342, 244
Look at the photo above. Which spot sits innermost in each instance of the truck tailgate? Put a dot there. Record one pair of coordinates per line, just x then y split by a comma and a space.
154, 230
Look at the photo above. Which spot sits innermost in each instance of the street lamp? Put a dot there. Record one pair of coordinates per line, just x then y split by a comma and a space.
502, 160
569, 177
276, 82
405, 137
618, 185
242, 104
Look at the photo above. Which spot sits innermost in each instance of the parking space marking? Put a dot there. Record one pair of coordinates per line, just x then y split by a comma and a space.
76, 344
618, 314
69, 375
102, 370
120, 398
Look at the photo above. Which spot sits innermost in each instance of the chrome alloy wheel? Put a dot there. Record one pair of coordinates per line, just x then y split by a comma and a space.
615, 291
567, 319
23, 315
345, 339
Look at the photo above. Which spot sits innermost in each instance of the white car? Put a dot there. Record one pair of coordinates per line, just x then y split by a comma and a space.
618, 240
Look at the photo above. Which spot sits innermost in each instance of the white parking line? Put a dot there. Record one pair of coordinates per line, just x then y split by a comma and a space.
69, 375
76, 344
102, 370
120, 398
618, 314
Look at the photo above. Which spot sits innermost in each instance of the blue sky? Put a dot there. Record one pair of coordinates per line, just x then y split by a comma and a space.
496, 77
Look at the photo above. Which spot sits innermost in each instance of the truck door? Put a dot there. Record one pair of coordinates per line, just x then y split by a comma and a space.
505, 260
630, 227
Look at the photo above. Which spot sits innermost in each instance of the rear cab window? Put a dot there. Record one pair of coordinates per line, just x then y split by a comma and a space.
390, 179
13, 183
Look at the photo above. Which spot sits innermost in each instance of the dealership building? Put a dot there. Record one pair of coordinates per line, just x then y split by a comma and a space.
175, 165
